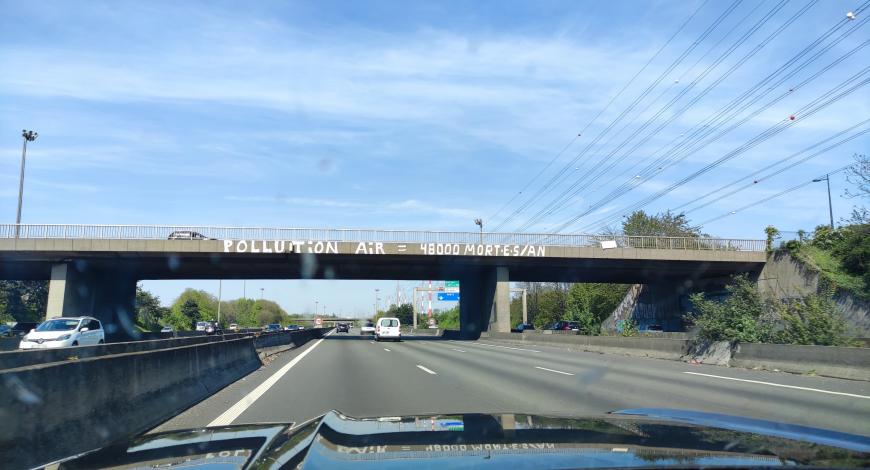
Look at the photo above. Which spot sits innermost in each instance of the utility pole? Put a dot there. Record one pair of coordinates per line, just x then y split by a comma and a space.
220, 289
479, 222
261, 293
827, 179
28, 136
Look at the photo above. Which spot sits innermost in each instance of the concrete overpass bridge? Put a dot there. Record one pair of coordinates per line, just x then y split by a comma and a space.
93, 269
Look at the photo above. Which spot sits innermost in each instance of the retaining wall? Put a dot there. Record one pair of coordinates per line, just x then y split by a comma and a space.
662, 348
831, 361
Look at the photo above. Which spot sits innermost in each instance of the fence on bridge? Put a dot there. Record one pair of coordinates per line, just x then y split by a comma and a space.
162, 232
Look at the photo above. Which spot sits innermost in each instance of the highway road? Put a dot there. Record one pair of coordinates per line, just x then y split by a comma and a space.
428, 375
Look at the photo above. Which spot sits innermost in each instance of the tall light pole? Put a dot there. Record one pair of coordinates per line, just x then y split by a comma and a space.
316, 302
220, 289
479, 222
827, 179
376, 300
261, 293
28, 136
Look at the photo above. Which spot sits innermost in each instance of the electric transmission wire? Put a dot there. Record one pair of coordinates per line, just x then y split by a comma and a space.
774, 196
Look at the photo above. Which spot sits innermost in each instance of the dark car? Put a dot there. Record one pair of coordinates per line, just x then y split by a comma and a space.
22, 328
213, 329
272, 327
566, 326
644, 438
292, 328
525, 327
187, 235
342, 328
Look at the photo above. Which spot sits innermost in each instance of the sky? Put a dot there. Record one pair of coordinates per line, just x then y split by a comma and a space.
414, 115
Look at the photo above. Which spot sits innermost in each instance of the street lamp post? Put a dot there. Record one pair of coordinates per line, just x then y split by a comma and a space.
28, 136
220, 291
261, 293
827, 179
316, 307
479, 222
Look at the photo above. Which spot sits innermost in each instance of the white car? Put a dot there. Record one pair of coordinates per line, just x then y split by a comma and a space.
388, 328
367, 329
200, 325
64, 332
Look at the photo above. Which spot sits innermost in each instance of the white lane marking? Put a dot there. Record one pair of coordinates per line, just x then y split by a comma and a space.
553, 370
780, 385
507, 347
228, 416
387, 350
457, 350
372, 342
427, 370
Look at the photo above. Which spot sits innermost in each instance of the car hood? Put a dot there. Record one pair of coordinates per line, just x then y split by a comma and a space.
49, 334
628, 438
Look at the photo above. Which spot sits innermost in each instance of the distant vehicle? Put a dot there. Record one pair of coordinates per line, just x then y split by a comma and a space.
566, 326
64, 332
187, 235
22, 328
292, 328
233, 327
525, 327
213, 329
5, 330
388, 328
367, 329
166, 329
200, 325
272, 327
342, 328
654, 327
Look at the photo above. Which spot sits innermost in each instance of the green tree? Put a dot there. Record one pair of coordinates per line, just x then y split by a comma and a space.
591, 303
666, 224
448, 320
404, 312
205, 302
148, 309
551, 305
23, 300
772, 234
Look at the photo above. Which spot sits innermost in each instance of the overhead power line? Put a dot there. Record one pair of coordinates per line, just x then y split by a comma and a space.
769, 198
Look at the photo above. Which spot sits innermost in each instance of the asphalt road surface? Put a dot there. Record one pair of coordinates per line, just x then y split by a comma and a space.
428, 375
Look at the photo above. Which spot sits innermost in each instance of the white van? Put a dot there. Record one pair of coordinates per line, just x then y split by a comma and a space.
388, 327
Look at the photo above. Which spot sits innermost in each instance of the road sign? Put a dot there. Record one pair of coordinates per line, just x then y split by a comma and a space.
318, 321
448, 296
451, 286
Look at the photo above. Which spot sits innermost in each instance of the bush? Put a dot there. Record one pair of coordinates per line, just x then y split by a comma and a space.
738, 318
812, 319
748, 317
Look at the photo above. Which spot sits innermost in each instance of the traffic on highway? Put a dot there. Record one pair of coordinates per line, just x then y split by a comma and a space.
439, 234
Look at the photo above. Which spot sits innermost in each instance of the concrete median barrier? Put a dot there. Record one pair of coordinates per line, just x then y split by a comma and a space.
22, 358
830, 361
53, 410
660, 348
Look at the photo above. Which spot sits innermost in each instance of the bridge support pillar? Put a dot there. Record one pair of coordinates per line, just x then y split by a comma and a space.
76, 288
485, 301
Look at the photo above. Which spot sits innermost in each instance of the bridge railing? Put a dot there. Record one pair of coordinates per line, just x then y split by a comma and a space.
162, 232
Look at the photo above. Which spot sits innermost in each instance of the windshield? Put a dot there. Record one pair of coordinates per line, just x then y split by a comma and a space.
58, 325
271, 210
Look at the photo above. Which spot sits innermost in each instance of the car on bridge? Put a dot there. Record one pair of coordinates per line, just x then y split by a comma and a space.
272, 327
187, 235
64, 332
292, 328
213, 329
233, 327
166, 329
388, 328
342, 328
200, 325
524, 327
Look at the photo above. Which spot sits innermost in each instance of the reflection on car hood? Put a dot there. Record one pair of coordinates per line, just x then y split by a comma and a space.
632, 438
49, 334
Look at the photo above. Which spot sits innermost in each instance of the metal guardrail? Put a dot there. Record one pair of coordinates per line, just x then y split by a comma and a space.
162, 232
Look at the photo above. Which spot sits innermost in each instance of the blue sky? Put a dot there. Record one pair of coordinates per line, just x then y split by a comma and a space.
417, 115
